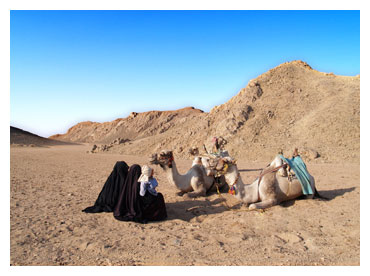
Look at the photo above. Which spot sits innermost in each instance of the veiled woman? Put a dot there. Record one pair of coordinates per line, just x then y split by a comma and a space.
109, 195
121, 195
132, 206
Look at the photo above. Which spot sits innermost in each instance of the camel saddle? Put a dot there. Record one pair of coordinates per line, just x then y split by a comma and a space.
300, 170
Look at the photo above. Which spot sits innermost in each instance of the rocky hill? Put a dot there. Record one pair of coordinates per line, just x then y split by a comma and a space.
20, 137
291, 105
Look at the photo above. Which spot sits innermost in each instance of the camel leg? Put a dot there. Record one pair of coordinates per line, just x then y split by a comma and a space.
264, 204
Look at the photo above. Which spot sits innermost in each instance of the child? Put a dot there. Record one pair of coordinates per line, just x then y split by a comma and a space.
147, 181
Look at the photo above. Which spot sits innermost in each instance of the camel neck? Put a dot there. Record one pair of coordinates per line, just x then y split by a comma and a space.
173, 170
175, 177
244, 192
239, 188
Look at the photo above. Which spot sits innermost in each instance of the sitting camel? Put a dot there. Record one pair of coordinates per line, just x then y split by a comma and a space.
194, 183
271, 188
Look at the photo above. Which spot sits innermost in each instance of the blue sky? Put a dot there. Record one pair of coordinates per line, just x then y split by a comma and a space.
72, 66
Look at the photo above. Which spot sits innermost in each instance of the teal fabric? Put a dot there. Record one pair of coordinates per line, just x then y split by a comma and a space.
300, 170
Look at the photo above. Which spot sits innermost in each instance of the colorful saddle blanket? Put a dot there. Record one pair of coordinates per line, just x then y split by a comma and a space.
300, 170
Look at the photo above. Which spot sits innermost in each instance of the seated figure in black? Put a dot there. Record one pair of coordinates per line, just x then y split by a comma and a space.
109, 195
152, 202
139, 201
130, 198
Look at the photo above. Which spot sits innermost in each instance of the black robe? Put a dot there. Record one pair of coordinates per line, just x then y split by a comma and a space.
109, 195
133, 207
154, 208
128, 206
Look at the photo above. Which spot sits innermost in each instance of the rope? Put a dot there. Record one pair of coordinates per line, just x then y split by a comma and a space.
270, 171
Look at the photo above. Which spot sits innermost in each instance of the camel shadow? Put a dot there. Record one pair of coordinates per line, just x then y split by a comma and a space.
190, 209
187, 210
331, 194
328, 194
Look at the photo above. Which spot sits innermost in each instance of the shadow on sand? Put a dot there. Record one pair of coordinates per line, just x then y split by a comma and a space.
331, 194
328, 194
199, 209
189, 209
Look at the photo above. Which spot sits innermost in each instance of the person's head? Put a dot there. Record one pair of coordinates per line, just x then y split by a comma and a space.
135, 170
146, 173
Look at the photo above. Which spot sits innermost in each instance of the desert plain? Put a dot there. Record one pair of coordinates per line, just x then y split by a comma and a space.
51, 185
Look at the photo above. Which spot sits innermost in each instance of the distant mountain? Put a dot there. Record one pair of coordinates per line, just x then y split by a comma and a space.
291, 105
21, 137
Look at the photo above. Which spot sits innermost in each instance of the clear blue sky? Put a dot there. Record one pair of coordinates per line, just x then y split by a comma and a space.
72, 66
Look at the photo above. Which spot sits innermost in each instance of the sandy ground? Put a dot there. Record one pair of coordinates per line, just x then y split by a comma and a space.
50, 186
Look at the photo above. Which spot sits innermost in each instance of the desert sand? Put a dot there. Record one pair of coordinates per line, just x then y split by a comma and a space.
49, 186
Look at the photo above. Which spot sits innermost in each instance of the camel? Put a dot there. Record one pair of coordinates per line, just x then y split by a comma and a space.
271, 188
194, 183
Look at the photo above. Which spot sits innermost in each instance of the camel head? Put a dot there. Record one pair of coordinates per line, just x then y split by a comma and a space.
209, 163
194, 151
217, 165
153, 159
197, 161
163, 159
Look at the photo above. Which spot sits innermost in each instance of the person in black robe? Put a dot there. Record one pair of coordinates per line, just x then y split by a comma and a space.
154, 207
133, 207
152, 202
128, 207
109, 195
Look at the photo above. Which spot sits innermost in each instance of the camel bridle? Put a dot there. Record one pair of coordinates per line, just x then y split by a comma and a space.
168, 158
232, 187
169, 163
223, 170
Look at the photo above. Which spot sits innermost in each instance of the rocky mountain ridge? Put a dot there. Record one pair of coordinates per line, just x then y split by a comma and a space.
291, 105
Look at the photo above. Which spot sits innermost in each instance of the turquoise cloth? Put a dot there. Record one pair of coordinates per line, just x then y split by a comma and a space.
300, 170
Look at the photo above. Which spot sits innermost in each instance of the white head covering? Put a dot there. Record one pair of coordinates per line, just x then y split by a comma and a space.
146, 172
